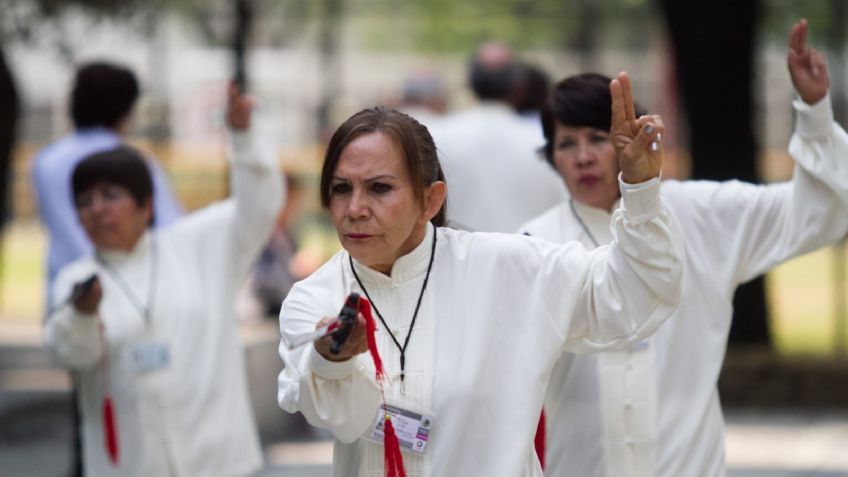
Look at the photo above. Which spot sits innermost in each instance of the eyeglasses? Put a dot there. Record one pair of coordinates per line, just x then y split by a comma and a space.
107, 194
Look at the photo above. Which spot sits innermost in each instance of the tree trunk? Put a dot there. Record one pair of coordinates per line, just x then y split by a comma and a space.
331, 20
8, 127
9, 109
714, 55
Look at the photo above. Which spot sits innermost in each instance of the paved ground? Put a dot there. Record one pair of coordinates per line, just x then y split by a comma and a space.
35, 436
759, 444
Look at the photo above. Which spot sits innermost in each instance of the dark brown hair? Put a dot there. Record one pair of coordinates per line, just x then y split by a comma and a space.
123, 166
410, 136
103, 94
582, 100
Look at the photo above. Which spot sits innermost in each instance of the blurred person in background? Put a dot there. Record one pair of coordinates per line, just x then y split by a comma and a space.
101, 102
488, 153
531, 92
154, 341
654, 410
282, 262
471, 369
424, 97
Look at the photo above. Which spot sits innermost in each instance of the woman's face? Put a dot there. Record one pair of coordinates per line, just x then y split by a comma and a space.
585, 158
111, 217
373, 204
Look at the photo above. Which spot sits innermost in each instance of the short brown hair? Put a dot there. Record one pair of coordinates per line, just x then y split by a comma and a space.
413, 139
122, 166
582, 100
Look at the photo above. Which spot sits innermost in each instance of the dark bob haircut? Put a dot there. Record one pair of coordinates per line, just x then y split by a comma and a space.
412, 138
122, 166
103, 94
578, 101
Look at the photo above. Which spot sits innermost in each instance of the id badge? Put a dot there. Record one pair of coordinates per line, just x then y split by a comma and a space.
149, 357
412, 429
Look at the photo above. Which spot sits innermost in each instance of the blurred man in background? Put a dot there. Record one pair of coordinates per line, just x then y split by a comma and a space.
497, 181
424, 96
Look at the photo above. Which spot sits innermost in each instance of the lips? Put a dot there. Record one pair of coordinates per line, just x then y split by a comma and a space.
357, 236
588, 179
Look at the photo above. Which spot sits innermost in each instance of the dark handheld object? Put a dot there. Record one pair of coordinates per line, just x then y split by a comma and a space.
82, 288
347, 318
240, 80
241, 34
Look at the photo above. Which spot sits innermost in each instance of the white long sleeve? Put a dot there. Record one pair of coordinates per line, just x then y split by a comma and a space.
496, 314
312, 385
192, 416
72, 337
654, 411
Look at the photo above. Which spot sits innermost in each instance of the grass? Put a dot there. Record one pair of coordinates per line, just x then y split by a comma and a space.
802, 297
23, 272
801, 292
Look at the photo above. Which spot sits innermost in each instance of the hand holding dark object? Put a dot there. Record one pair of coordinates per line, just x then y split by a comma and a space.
239, 108
347, 319
349, 339
86, 295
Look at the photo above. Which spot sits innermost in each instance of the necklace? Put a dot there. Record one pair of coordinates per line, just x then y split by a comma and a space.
582, 224
402, 349
145, 310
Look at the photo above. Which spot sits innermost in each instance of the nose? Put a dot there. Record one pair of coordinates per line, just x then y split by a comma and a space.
357, 207
97, 204
585, 154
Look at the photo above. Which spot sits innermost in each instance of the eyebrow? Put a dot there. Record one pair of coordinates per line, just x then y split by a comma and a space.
369, 179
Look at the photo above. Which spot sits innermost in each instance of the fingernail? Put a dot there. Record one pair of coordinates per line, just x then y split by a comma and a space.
654, 146
659, 137
649, 129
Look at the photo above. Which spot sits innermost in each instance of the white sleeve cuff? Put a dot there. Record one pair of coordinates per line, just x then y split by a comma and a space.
815, 119
327, 369
640, 201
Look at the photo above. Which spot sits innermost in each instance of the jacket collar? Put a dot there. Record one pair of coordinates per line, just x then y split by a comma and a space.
407, 267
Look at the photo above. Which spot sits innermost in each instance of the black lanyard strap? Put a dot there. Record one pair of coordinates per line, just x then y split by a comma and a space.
402, 349
582, 224
145, 310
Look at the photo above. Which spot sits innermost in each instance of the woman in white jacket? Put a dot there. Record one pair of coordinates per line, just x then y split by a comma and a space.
153, 341
654, 410
470, 324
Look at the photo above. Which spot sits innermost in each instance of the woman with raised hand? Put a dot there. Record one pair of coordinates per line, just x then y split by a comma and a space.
148, 322
469, 325
654, 409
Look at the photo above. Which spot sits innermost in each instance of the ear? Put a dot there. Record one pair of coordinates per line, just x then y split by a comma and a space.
434, 197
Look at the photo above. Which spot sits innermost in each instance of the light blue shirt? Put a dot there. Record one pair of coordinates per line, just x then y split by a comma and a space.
52, 171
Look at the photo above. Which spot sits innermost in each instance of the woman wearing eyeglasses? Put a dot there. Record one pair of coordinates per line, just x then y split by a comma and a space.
147, 323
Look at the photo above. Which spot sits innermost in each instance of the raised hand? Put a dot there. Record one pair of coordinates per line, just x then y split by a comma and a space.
807, 66
636, 141
239, 108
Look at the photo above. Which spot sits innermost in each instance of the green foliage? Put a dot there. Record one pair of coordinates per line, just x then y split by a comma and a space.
446, 26
779, 15
24, 20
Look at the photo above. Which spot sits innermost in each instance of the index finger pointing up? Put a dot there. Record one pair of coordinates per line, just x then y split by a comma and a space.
627, 90
798, 37
618, 112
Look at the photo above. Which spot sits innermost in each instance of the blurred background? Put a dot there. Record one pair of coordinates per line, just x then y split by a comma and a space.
715, 70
